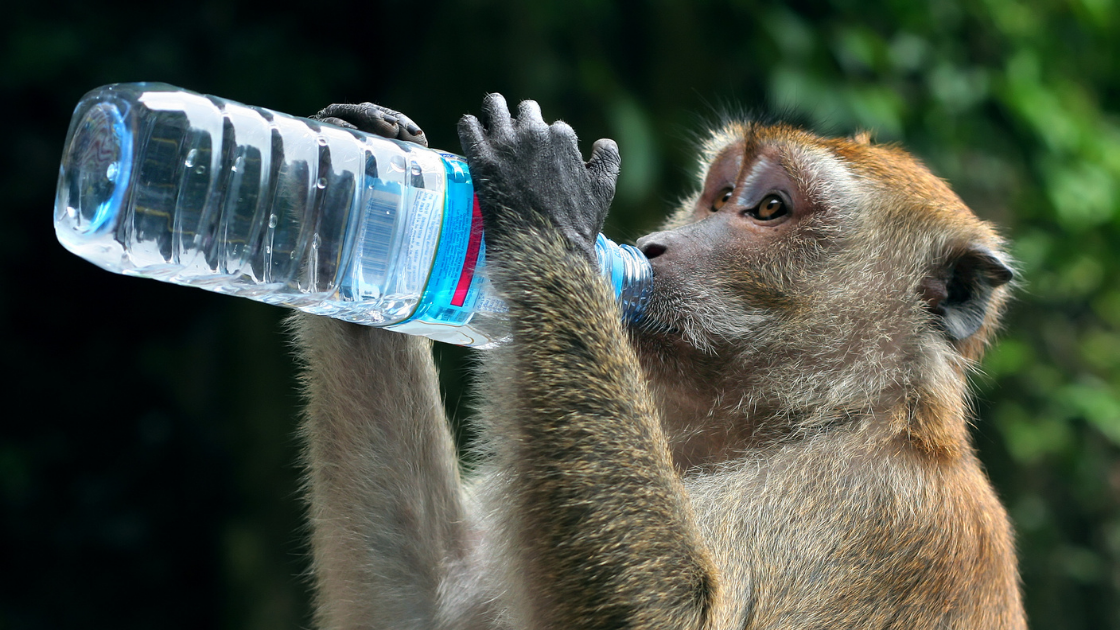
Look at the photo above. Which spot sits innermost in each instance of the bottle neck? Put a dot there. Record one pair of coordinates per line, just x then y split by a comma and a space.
629, 273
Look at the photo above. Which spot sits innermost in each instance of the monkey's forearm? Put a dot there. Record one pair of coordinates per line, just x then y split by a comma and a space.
606, 532
382, 476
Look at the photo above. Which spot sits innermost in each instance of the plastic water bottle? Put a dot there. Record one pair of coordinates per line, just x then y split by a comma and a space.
164, 183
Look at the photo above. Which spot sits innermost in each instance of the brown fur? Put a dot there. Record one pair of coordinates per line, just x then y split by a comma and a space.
782, 444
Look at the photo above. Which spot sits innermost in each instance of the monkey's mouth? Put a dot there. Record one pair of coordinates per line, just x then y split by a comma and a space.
650, 328
653, 324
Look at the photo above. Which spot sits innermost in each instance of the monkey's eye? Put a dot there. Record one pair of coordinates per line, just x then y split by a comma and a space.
772, 207
724, 197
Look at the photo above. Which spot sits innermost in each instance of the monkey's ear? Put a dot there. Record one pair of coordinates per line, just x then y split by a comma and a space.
960, 293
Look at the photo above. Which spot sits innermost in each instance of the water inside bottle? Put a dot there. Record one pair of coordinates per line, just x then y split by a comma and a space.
245, 201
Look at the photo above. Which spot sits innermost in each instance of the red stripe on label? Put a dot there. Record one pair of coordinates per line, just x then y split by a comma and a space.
472, 256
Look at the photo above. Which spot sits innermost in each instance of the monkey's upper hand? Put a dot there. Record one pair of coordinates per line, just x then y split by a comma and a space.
525, 170
374, 119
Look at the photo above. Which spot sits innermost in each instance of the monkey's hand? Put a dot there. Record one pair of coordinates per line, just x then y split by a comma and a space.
525, 170
374, 119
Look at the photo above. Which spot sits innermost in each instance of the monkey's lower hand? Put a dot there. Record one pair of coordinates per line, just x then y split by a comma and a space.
525, 170
374, 119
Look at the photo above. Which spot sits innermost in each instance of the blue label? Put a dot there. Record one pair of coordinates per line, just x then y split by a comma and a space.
453, 288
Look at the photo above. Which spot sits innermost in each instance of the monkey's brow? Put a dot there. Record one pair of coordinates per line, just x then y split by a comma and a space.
752, 141
755, 169
750, 134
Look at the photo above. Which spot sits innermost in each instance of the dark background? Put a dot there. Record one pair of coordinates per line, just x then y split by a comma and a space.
148, 474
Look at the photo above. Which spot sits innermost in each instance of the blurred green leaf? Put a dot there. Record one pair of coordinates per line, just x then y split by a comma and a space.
1097, 403
1029, 438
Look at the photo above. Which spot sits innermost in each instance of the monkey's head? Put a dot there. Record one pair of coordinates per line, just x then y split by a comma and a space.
811, 278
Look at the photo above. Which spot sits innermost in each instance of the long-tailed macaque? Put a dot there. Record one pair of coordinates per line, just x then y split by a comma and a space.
781, 442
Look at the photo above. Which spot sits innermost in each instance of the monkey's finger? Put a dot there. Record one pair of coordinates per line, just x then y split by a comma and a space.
472, 137
529, 116
605, 163
565, 141
410, 131
338, 122
335, 110
495, 114
366, 117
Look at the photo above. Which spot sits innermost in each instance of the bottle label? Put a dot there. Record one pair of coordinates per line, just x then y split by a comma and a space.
451, 295
470, 262
422, 234
456, 288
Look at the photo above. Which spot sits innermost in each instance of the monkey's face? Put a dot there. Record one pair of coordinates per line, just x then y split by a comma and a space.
741, 252
824, 257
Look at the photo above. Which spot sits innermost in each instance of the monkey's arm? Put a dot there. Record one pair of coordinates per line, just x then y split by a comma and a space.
382, 477
602, 532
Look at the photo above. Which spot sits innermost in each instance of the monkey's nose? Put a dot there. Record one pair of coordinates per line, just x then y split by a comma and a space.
652, 245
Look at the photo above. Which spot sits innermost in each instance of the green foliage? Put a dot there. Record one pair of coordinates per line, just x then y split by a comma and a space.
1014, 102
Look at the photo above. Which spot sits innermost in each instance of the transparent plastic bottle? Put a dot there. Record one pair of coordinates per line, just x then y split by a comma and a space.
164, 183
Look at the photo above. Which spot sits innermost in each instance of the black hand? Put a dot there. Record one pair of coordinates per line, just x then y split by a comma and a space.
374, 119
525, 170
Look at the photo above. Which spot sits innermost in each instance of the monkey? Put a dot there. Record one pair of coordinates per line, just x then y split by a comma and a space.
780, 441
